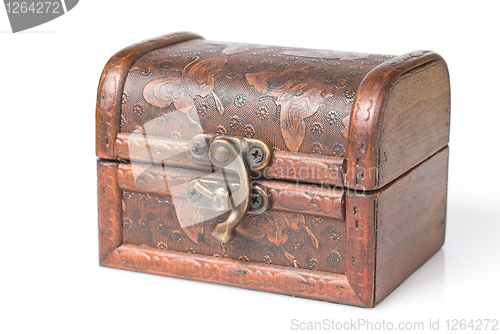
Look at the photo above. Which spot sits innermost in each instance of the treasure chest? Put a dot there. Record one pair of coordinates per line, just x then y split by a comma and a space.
311, 173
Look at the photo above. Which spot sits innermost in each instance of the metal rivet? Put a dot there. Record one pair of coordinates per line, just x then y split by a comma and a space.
193, 195
256, 155
256, 201
221, 154
198, 148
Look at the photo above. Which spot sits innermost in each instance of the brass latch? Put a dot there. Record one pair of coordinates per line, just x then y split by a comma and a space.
234, 193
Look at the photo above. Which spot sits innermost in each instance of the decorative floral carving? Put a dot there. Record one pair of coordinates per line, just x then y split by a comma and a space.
316, 128
162, 245
231, 75
240, 101
316, 148
125, 98
317, 220
334, 234
332, 117
176, 236
313, 263
127, 223
298, 245
221, 130
146, 72
143, 224
334, 256
268, 258
350, 94
138, 109
176, 134
163, 228
275, 226
195, 81
235, 122
203, 109
338, 150
262, 112
249, 131
295, 101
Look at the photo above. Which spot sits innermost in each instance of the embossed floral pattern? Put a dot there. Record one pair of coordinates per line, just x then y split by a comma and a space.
313, 263
221, 130
334, 256
317, 148
176, 236
143, 224
338, 150
195, 81
146, 72
127, 223
162, 228
249, 131
332, 117
295, 101
161, 245
240, 101
235, 122
125, 98
138, 109
244, 258
350, 94
275, 226
262, 112
317, 220
203, 109
298, 245
162, 120
316, 128
334, 234
268, 258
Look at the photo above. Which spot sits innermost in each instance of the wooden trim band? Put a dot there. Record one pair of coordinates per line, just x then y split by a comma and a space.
109, 208
289, 281
290, 166
285, 196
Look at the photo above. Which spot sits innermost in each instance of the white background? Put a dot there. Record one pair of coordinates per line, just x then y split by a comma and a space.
50, 278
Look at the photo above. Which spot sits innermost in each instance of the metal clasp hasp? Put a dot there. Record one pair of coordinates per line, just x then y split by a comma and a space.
233, 192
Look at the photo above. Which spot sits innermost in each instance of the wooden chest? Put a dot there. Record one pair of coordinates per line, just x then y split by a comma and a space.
311, 173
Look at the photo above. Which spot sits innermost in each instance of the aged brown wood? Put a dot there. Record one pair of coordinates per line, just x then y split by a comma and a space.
369, 119
394, 230
290, 166
109, 94
348, 237
411, 219
285, 196
361, 235
415, 119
